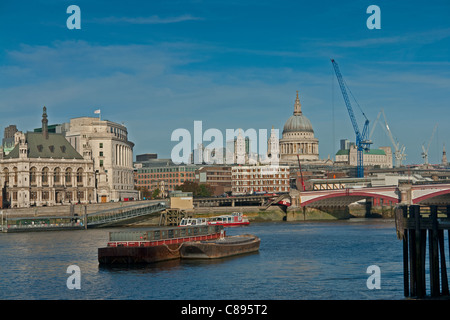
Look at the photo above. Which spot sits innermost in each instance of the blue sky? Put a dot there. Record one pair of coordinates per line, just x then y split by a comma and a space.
160, 65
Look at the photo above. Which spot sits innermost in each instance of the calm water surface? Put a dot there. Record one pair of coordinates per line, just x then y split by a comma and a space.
296, 261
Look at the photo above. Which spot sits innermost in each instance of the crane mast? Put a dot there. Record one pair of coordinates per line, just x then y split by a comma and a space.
425, 151
362, 140
399, 151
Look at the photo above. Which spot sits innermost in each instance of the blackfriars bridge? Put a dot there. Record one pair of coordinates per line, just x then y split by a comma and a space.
404, 193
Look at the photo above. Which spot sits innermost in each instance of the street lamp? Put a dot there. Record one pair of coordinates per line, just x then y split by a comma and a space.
95, 178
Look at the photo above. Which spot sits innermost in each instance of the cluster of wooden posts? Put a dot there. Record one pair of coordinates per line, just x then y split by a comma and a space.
415, 224
172, 217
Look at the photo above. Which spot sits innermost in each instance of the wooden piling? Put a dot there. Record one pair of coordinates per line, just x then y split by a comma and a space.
434, 253
415, 228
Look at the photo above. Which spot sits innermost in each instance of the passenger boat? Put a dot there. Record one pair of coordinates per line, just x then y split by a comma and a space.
220, 248
193, 222
158, 244
234, 219
285, 202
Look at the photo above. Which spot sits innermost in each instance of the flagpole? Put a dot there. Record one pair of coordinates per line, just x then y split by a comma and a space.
99, 114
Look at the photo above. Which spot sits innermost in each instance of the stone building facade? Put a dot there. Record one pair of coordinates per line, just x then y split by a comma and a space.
107, 144
381, 157
44, 169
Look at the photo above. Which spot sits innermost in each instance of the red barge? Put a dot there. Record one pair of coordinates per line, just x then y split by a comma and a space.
159, 244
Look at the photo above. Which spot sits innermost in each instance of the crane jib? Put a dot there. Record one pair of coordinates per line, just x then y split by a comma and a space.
362, 141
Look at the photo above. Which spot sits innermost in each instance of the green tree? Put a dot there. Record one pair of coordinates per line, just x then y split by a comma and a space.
155, 193
145, 193
198, 190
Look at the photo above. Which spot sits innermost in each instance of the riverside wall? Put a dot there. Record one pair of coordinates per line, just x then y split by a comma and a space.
275, 213
254, 213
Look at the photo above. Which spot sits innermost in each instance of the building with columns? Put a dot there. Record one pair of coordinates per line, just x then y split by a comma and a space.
298, 138
44, 169
107, 144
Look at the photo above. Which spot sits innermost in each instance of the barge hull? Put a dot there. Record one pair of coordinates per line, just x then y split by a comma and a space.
227, 247
136, 255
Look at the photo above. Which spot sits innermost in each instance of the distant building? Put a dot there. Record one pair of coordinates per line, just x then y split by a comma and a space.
107, 144
346, 144
8, 139
273, 148
260, 178
146, 157
44, 169
298, 138
162, 174
381, 158
218, 177
444, 161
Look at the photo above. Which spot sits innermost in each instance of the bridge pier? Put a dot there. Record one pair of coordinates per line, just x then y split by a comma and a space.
369, 205
405, 190
291, 215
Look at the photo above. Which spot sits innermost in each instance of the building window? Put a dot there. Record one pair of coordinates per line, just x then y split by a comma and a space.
33, 175
101, 144
101, 163
16, 176
6, 175
68, 176
57, 176
45, 175
80, 176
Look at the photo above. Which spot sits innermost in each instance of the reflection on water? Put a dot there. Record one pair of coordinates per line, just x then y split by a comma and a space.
169, 265
325, 260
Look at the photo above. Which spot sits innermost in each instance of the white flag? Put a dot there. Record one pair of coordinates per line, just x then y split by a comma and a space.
97, 111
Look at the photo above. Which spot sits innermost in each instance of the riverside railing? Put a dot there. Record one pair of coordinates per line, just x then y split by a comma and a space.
97, 219
117, 215
18, 224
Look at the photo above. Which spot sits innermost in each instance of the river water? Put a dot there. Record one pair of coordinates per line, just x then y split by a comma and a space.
296, 261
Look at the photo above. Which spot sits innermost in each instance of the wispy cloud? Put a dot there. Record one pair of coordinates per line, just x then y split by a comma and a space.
137, 82
418, 38
148, 20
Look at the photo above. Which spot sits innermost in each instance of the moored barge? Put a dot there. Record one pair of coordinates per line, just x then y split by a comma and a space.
220, 248
158, 244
